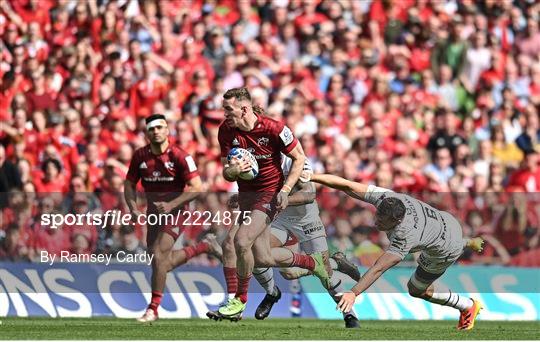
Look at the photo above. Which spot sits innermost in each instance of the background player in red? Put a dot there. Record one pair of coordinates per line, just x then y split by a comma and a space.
164, 171
247, 127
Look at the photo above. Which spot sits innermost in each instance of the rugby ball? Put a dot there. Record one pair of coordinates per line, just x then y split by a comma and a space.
241, 153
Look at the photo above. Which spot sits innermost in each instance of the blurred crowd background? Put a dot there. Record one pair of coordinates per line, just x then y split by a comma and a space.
435, 98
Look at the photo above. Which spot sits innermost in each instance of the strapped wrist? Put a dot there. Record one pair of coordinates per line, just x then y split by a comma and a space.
289, 189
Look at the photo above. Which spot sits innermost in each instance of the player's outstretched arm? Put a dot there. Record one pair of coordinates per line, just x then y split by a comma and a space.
353, 189
385, 261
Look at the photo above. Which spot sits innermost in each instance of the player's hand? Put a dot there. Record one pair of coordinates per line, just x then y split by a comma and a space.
164, 207
305, 176
347, 301
282, 200
233, 201
238, 166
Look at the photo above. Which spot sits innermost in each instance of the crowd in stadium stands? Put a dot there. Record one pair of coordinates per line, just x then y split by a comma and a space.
436, 98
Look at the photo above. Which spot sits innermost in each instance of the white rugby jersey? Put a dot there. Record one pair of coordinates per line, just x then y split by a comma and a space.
422, 228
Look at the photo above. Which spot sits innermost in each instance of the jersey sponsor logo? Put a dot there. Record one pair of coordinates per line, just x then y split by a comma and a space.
235, 142
169, 165
158, 179
258, 156
191, 164
286, 136
312, 227
262, 156
143, 165
263, 141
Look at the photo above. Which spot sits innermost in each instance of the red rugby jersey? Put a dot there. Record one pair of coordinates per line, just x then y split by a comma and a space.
265, 141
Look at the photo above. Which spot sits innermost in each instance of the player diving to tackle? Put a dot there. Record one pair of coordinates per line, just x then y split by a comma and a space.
301, 219
247, 127
411, 226
165, 171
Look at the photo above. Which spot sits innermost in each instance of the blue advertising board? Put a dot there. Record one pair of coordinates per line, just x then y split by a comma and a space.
87, 290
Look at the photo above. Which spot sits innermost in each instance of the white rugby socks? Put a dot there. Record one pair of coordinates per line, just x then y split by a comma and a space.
265, 277
446, 297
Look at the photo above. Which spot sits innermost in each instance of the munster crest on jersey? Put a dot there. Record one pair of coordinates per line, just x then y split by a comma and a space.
263, 141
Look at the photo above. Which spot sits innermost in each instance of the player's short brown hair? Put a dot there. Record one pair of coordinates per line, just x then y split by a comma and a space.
237, 93
392, 207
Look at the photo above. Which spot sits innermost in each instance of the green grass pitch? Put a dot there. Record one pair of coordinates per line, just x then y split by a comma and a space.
249, 329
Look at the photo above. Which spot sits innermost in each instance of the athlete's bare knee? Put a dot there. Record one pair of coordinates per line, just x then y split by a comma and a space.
263, 260
242, 244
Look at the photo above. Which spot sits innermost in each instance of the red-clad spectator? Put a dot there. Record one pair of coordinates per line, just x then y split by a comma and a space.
170, 45
511, 225
8, 89
82, 21
185, 137
308, 16
527, 259
192, 60
73, 126
534, 87
35, 45
39, 97
53, 240
527, 177
495, 73
113, 139
494, 251
34, 10
95, 164
111, 197
61, 33
80, 207
529, 42
52, 180
80, 245
146, 92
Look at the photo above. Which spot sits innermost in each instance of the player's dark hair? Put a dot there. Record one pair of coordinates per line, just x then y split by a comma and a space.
392, 207
154, 117
242, 94
55, 162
